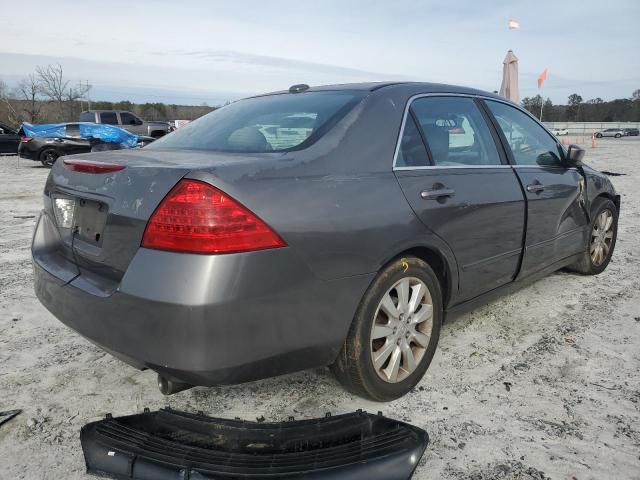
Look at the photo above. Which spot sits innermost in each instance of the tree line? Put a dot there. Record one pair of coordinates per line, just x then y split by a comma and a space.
47, 96
593, 110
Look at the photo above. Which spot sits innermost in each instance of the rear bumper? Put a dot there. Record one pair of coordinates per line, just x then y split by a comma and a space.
27, 153
168, 445
202, 319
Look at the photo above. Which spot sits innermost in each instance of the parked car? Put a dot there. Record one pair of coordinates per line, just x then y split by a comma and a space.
9, 139
128, 121
251, 243
560, 131
610, 132
631, 132
47, 150
46, 143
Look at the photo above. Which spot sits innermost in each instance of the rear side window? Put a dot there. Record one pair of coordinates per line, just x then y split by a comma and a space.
412, 151
88, 117
272, 123
529, 142
455, 131
109, 118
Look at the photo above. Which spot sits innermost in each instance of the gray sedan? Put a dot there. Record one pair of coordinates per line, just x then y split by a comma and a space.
611, 132
335, 225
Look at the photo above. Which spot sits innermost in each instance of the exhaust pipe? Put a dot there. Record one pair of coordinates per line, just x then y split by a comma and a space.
169, 387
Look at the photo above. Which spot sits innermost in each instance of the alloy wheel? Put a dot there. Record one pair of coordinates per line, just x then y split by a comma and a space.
601, 237
401, 329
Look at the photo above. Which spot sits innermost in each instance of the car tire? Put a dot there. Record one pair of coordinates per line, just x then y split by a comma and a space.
598, 135
48, 157
590, 263
404, 336
618, 135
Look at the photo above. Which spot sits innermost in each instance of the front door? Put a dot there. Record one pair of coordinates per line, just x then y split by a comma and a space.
556, 218
9, 140
453, 176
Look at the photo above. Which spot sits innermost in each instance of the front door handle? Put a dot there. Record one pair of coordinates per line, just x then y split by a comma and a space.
535, 187
437, 193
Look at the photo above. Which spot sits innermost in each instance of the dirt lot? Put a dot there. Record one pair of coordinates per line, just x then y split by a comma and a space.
544, 383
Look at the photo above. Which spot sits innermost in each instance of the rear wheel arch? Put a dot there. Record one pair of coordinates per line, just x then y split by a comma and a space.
436, 261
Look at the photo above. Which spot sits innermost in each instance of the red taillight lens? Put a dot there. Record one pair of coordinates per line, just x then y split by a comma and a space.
25, 139
87, 166
195, 217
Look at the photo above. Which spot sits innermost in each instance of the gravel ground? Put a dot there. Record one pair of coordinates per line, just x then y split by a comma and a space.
543, 383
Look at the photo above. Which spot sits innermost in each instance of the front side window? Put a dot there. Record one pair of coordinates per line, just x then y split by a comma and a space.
271, 123
455, 131
109, 118
529, 142
129, 119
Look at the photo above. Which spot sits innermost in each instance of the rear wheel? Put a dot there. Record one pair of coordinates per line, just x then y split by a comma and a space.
394, 333
618, 135
48, 157
602, 238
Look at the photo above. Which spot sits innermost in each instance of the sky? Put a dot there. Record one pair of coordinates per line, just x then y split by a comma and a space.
193, 52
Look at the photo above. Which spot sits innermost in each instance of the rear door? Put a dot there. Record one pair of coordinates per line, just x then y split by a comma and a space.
556, 218
461, 187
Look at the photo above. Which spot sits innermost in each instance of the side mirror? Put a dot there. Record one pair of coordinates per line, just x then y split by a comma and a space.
574, 156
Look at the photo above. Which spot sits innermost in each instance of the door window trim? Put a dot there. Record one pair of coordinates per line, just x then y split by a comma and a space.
501, 146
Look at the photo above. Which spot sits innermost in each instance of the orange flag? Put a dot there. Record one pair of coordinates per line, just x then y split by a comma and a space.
542, 77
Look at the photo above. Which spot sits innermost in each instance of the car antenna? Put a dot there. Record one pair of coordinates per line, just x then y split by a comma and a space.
300, 87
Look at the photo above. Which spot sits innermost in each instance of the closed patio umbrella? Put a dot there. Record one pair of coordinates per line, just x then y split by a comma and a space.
509, 87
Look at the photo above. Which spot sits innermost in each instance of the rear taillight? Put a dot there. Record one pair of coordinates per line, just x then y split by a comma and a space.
25, 139
88, 166
196, 217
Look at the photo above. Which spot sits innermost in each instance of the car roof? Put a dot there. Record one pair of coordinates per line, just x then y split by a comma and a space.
423, 87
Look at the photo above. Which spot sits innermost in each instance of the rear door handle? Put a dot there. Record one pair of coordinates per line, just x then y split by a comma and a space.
535, 187
437, 193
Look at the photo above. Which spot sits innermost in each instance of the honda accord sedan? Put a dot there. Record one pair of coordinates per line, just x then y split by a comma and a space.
334, 225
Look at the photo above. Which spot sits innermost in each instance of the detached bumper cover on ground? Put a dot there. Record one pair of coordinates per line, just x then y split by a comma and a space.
174, 445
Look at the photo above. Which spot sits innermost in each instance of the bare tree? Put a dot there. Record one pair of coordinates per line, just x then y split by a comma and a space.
6, 100
29, 92
58, 90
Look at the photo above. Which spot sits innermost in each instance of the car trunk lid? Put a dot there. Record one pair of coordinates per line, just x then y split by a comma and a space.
110, 207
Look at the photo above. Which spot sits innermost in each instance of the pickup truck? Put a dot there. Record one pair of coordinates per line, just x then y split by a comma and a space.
128, 121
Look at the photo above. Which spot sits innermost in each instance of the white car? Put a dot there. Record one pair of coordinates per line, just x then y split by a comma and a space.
560, 131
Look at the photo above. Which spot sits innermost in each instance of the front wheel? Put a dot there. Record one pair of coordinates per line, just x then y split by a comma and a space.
602, 238
394, 333
598, 135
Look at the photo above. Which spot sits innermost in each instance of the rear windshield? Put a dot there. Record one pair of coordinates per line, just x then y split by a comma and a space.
273, 123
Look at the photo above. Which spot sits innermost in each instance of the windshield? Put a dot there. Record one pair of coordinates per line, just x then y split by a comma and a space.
273, 123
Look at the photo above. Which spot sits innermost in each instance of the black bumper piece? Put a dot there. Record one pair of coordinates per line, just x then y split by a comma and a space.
173, 445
